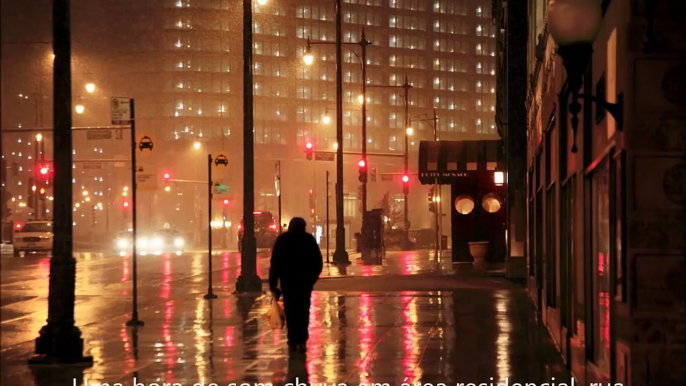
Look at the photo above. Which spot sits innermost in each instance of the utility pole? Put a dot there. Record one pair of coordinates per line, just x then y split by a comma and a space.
437, 205
406, 86
327, 218
364, 43
340, 255
59, 341
248, 281
278, 192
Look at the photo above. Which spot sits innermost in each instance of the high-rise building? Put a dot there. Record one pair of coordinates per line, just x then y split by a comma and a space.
182, 62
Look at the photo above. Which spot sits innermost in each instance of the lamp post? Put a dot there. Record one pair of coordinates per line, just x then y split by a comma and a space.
406, 86
574, 25
340, 254
248, 281
60, 341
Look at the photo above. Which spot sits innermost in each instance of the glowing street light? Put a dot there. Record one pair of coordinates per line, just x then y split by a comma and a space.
261, 2
196, 145
409, 131
90, 87
360, 99
308, 58
79, 109
326, 119
84, 193
39, 137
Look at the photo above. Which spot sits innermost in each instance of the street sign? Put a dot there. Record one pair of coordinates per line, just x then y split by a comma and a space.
98, 134
146, 178
221, 159
386, 177
324, 156
145, 144
92, 165
121, 111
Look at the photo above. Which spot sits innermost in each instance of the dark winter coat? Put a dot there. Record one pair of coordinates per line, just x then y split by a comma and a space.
296, 260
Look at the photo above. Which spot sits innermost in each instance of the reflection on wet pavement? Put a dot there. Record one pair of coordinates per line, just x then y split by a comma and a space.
472, 333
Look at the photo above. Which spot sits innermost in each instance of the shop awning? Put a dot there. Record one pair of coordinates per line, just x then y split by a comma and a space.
450, 161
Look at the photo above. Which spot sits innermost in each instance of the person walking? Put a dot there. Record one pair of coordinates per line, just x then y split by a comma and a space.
296, 264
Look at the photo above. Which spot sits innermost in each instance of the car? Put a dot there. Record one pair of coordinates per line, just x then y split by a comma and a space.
221, 160
165, 240
145, 143
266, 230
35, 236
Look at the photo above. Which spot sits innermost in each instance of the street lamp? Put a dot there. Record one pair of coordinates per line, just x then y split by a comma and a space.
326, 119
248, 281
574, 25
79, 109
308, 58
196, 145
90, 88
409, 131
39, 137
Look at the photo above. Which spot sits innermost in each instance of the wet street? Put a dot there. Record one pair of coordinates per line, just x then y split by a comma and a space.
410, 319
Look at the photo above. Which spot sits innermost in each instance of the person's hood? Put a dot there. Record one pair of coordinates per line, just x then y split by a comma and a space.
297, 224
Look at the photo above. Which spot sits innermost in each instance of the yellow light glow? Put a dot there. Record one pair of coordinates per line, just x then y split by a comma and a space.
22, 204
33, 188
335, 146
326, 119
90, 87
88, 199
79, 109
14, 199
39, 137
499, 178
409, 131
77, 205
167, 188
261, 2
308, 58
196, 145
126, 188
84, 193
360, 99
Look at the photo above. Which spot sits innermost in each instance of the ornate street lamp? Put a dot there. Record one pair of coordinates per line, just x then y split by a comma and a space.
574, 25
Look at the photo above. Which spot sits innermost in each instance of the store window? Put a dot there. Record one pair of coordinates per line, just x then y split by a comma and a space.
491, 203
600, 187
464, 204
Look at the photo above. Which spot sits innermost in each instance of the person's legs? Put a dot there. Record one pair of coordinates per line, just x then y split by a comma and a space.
297, 308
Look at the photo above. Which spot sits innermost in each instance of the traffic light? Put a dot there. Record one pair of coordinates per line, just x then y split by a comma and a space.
406, 183
125, 204
226, 202
41, 193
309, 149
166, 177
44, 173
432, 201
312, 206
362, 169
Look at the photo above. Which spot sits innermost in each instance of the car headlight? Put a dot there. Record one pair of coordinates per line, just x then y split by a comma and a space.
157, 242
178, 242
122, 243
142, 242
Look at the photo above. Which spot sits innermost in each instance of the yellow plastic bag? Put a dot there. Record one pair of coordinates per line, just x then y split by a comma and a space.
276, 317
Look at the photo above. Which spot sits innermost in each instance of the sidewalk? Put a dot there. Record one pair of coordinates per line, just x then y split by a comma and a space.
427, 327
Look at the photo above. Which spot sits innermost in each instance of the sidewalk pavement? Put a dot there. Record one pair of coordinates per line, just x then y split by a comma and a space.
430, 327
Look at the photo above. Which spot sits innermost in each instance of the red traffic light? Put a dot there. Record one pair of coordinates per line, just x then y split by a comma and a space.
309, 145
226, 201
361, 163
44, 170
18, 226
406, 179
166, 176
125, 204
